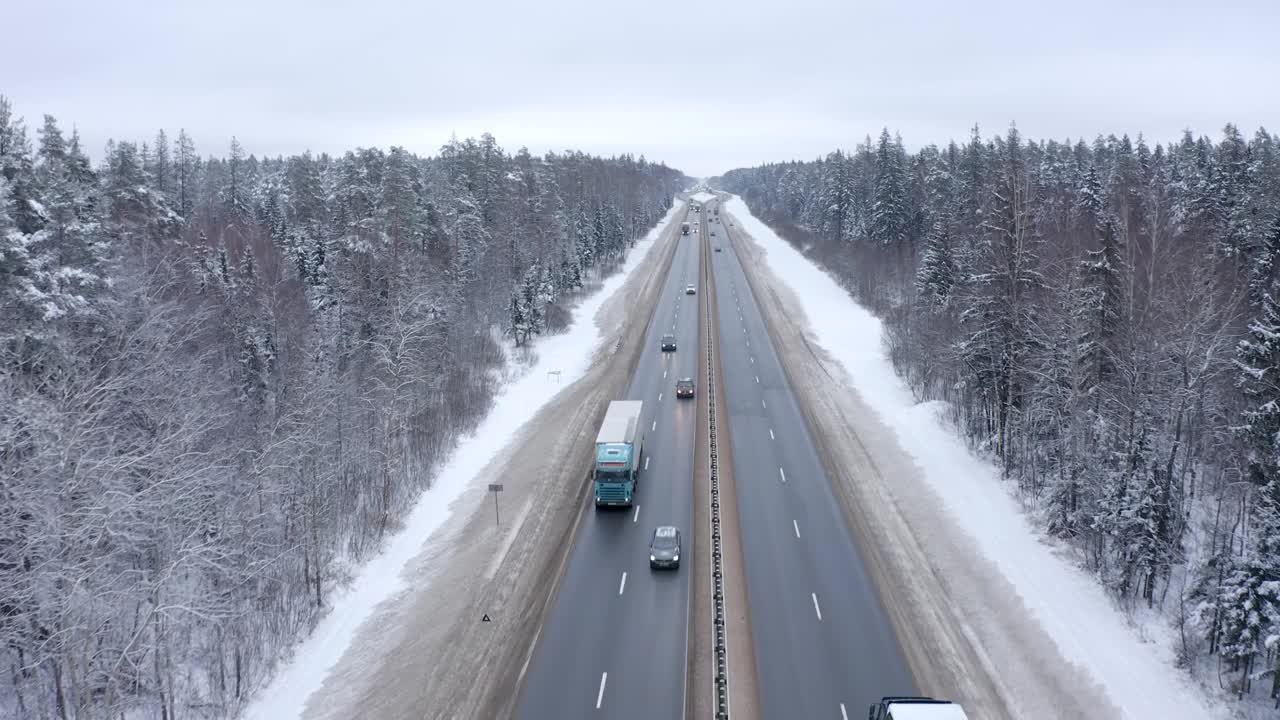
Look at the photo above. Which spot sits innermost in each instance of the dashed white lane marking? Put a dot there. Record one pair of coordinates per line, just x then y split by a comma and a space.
600, 695
664, 373
646, 463
623, 585
796, 525
771, 437
753, 359
659, 397
655, 425
636, 517
816, 609
783, 474
843, 715
764, 405
757, 379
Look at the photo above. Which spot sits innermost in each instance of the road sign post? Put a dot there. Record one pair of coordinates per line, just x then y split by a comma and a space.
496, 488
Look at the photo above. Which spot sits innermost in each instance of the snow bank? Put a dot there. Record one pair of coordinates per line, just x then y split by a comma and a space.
382, 577
1073, 608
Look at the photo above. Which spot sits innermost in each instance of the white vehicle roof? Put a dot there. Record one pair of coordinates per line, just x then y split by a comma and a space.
926, 711
620, 422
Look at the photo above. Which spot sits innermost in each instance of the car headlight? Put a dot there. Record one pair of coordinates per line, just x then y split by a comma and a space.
675, 558
652, 558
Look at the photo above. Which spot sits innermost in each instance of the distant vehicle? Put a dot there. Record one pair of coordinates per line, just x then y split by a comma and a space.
684, 388
668, 343
915, 708
717, 248
619, 445
664, 549
684, 228
690, 290
713, 233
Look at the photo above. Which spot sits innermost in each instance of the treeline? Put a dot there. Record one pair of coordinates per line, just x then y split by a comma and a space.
1103, 319
224, 379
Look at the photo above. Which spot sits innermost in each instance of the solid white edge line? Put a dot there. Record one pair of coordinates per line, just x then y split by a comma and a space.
816, 609
771, 437
623, 585
636, 517
783, 474
600, 695
796, 525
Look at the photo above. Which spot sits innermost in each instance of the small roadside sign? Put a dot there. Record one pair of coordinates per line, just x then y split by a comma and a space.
496, 488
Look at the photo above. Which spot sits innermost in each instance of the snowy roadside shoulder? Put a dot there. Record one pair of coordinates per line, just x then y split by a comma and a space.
1139, 676
382, 577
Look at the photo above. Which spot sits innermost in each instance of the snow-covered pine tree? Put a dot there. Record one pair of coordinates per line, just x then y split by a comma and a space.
834, 192
1099, 311
518, 316
936, 276
17, 166
889, 202
184, 169
236, 199
161, 176
1003, 293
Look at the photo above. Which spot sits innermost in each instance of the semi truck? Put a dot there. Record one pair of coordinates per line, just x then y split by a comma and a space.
619, 448
684, 228
915, 708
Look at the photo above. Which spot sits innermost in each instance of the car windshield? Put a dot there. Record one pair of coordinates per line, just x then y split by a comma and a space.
668, 337
685, 383
664, 542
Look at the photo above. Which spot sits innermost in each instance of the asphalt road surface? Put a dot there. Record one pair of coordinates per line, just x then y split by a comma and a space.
614, 644
824, 647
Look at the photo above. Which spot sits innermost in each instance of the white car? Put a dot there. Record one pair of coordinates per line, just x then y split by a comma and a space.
690, 290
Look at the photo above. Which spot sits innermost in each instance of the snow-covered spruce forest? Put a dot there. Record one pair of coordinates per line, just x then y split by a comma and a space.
224, 379
1102, 319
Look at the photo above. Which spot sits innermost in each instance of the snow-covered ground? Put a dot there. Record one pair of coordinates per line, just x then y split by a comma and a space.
1134, 667
382, 578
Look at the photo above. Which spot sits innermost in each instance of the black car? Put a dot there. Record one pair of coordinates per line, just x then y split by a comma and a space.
684, 388
717, 248
664, 550
668, 343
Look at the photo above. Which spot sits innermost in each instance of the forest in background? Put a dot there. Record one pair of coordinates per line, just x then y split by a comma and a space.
1103, 320
224, 380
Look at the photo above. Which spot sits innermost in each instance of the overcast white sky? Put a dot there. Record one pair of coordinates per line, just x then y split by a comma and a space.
704, 87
